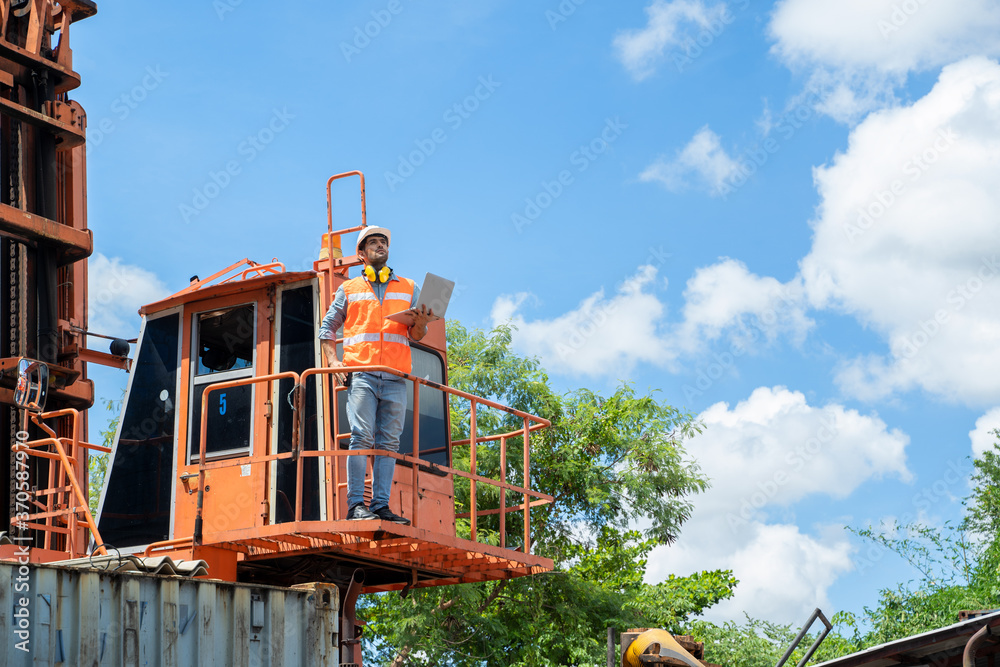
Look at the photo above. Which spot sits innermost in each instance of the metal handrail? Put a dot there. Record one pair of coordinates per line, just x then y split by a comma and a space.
329, 220
198, 284
473, 478
531, 498
273, 267
802, 633
329, 202
68, 468
202, 451
168, 545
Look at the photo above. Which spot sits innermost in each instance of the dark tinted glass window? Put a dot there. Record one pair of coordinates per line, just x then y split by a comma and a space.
230, 411
225, 344
433, 410
297, 352
136, 508
225, 340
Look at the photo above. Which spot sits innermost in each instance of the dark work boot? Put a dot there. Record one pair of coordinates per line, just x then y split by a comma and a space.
360, 513
387, 514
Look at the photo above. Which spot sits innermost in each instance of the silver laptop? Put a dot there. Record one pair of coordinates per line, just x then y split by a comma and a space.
435, 293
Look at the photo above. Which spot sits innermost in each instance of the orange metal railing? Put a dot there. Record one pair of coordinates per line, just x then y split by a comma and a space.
169, 545
329, 223
329, 206
333, 436
64, 497
272, 268
255, 268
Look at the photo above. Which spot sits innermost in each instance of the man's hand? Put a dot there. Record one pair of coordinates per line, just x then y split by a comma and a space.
341, 378
330, 352
420, 319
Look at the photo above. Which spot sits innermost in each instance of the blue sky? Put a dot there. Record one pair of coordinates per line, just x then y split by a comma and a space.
780, 216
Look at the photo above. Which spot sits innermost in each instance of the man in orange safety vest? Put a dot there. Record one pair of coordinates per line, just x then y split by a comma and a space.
376, 401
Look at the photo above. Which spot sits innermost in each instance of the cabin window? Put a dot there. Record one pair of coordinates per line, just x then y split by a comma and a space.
433, 409
297, 351
135, 508
223, 346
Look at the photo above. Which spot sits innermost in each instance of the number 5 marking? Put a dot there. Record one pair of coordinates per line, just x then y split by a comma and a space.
222, 404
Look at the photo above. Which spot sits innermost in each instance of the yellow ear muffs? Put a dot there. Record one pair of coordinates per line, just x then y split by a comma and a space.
382, 276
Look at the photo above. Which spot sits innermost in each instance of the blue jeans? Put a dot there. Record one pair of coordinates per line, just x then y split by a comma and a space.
376, 408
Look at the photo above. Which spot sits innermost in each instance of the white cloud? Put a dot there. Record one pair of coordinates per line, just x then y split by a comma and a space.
726, 296
703, 157
982, 436
116, 292
608, 336
858, 51
765, 123
783, 574
904, 237
603, 335
763, 455
892, 36
641, 50
849, 96
775, 449
902, 241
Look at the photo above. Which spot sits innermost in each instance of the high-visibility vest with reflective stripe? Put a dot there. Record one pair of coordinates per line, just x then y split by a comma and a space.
369, 338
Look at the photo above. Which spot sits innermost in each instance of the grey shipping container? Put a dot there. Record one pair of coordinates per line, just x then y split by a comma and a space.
52, 615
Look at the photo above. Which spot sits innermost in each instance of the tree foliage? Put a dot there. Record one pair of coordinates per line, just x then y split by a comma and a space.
622, 484
957, 568
983, 505
97, 463
958, 565
955, 574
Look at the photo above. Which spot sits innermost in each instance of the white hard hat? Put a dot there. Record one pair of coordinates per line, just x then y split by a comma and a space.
372, 231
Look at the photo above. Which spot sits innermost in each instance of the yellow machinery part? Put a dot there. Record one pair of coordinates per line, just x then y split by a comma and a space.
667, 644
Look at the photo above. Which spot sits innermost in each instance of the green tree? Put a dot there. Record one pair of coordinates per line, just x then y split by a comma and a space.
97, 463
953, 573
759, 643
957, 566
611, 463
983, 505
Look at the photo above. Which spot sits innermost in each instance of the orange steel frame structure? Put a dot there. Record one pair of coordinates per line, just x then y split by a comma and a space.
428, 551
234, 541
65, 491
44, 236
44, 245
